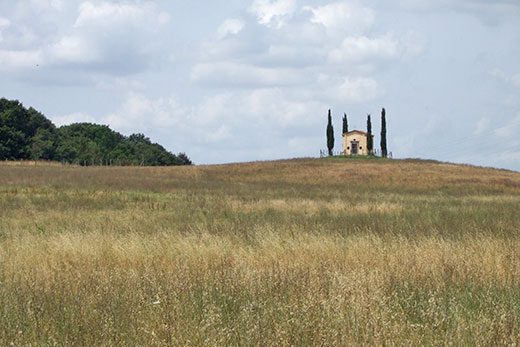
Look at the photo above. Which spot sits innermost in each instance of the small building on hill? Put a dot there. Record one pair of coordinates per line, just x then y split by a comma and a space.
355, 143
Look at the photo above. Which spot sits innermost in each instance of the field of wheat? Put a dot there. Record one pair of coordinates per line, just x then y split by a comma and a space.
299, 252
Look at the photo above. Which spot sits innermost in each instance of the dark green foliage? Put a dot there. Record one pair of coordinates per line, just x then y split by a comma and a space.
370, 140
384, 149
19, 127
13, 143
345, 123
27, 134
185, 159
43, 145
330, 135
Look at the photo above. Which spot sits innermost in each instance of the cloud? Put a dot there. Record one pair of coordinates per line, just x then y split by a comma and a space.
110, 83
349, 89
361, 49
140, 112
230, 27
110, 14
107, 37
270, 105
358, 90
102, 37
342, 17
229, 74
4, 23
11, 60
47, 4
273, 12
75, 49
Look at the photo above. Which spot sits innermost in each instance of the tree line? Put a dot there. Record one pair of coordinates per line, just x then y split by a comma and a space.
370, 140
28, 134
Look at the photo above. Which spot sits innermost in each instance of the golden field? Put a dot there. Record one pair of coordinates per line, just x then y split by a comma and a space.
300, 252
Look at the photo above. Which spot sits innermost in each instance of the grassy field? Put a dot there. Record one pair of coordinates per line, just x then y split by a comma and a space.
299, 252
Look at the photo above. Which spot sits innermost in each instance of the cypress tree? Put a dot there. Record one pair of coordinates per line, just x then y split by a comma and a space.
370, 140
330, 135
345, 123
384, 150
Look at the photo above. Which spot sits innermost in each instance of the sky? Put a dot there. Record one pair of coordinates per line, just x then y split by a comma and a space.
233, 81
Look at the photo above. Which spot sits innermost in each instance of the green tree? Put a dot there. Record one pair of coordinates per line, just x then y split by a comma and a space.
370, 140
185, 160
12, 144
384, 149
43, 145
330, 135
26, 133
345, 123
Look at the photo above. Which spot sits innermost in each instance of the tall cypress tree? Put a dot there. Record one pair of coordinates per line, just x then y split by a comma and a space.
384, 150
370, 140
330, 135
345, 123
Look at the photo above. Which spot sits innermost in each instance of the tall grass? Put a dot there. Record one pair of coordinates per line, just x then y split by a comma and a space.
302, 252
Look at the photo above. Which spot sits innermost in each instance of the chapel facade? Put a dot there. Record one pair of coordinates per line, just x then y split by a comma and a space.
355, 143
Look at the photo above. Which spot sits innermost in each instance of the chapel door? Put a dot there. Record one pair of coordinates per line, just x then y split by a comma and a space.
355, 147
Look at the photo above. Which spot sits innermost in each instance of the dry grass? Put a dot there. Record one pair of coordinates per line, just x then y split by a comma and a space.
302, 252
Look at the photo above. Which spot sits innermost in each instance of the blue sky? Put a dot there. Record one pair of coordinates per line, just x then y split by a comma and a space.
228, 81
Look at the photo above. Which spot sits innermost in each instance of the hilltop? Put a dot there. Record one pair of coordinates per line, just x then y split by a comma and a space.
381, 175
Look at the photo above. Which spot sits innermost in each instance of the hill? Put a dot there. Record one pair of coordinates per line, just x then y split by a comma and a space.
28, 134
298, 252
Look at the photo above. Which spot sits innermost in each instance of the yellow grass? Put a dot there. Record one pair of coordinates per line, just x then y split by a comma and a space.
301, 252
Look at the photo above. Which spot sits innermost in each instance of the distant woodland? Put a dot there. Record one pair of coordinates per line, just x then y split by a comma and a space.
28, 134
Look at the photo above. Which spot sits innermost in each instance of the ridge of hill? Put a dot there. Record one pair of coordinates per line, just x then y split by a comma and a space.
400, 176
28, 134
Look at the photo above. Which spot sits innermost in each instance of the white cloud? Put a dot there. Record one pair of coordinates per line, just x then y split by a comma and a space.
110, 83
273, 12
230, 27
4, 23
75, 49
343, 17
16, 60
361, 49
358, 90
139, 113
353, 90
226, 74
274, 105
107, 13
44, 4
107, 37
